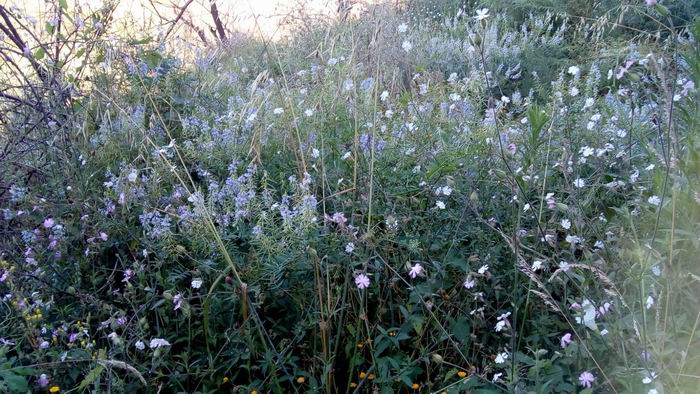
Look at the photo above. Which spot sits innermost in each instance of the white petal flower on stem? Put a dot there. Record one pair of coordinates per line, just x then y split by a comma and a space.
481, 14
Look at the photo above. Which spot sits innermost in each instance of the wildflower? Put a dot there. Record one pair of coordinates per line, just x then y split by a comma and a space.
650, 3
315, 153
500, 325
650, 302
139, 345
133, 175
158, 342
384, 95
332, 61
565, 340
536, 265
440, 205
586, 379
43, 380
483, 269
469, 283
579, 183
278, 111
574, 70
128, 274
496, 377
177, 301
48, 223
346, 156
415, 271
44, 345
54, 389
415, 386
362, 281
654, 200
196, 283
566, 224
481, 14
402, 28
349, 248
461, 374
501, 358
564, 266
309, 112
301, 380
406, 46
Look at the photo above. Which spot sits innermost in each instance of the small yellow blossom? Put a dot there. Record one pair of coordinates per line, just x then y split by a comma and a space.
461, 374
301, 380
54, 389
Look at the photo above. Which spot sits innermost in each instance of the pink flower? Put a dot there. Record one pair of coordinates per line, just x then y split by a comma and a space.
651, 3
415, 271
104, 236
586, 379
361, 281
565, 340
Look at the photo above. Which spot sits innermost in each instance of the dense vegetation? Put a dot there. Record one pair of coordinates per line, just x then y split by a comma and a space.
496, 197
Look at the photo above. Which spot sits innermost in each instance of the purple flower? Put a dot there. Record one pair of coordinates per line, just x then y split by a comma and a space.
177, 300
48, 223
650, 3
361, 281
565, 340
3, 275
73, 337
43, 380
586, 379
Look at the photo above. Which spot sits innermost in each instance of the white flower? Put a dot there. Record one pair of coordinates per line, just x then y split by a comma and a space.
564, 266
579, 183
349, 248
415, 271
573, 239
407, 46
574, 70
440, 205
496, 377
653, 391
384, 95
332, 61
133, 175
346, 156
139, 345
278, 111
536, 265
566, 224
574, 91
649, 302
483, 269
402, 28
309, 112
604, 332
196, 283
482, 14
501, 358
589, 103
654, 200
158, 342
315, 153
505, 99
500, 325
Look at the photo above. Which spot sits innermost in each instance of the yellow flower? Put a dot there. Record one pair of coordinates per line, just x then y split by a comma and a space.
415, 386
363, 375
254, 392
226, 379
461, 374
353, 384
301, 380
54, 389
370, 376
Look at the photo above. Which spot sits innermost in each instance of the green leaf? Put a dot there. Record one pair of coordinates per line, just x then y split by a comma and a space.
39, 54
91, 377
16, 383
63, 4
